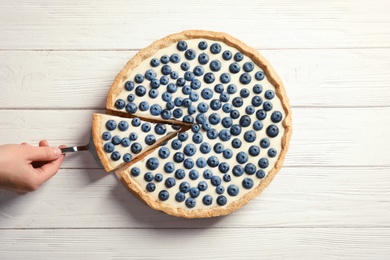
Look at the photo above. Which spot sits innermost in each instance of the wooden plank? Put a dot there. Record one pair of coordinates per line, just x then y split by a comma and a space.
231, 243
56, 79
298, 197
128, 25
322, 136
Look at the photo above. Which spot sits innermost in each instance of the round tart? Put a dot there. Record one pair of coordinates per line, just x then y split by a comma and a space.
239, 115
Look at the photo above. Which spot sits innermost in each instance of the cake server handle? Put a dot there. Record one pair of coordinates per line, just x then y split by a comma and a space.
74, 149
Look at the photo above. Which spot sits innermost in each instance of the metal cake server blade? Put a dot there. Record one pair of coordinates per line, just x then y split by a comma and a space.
88, 147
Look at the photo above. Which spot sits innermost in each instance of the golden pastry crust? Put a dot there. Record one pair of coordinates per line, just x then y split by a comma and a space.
118, 85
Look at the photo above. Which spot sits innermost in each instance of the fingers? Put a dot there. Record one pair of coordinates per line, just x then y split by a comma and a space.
49, 169
43, 143
42, 153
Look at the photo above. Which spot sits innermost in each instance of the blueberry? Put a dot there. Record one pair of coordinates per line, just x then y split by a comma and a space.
215, 65
238, 56
194, 192
247, 183
148, 176
227, 55
194, 174
250, 136
150, 187
233, 190
216, 180
218, 148
234, 68
242, 157
188, 163
180, 174
227, 122
205, 148
136, 148
224, 97
198, 71
265, 143
215, 48
129, 85
165, 59
272, 152
203, 107
186, 90
207, 93
231, 89
261, 114
166, 70
187, 102
153, 93
212, 133
116, 140
207, 200
152, 163
227, 178
164, 80
143, 106
106, 136
269, 94
133, 136
178, 101
125, 142
248, 66
158, 177
236, 143
276, 117
189, 150
272, 131
197, 138
139, 78
257, 125
190, 54
267, 106
188, 119
170, 105
181, 46
245, 78
180, 197
215, 104
259, 75
176, 145
189, 76
150, 74
120, 104
244, 92
190, 203
214, 119
195, 128
109, 147
136, 122
115, 156
213, 161
177, 113
185, 66
150, 139
135, 171
227, 154
257, 101
260, 174
155, 109
237, 102
140, 91
234, 114
202, 186
130, 97
227, 108
250, 110
238, 170
166, 114
183, 136
254, 150
250, 169
245, 121
194, 96
263, 163
257, 89
174, 75
223, 167
209, 78
206, 125
235, 130
154, 62
202, 45
163, 195
127, 157
178, 157
201, 162
207, 174
221, 200
203, 58
170, 182
111, 125
225, 135
184, 187
175, 58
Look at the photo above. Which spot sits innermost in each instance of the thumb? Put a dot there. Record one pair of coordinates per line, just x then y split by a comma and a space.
42, 153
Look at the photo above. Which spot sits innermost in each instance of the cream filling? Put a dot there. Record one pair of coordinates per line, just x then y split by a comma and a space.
275, 142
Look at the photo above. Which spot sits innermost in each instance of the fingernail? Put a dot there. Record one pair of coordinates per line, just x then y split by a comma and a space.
57, 151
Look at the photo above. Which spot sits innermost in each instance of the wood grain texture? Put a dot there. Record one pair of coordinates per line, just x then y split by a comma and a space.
307, 197
133, 24
313, 78
197, 243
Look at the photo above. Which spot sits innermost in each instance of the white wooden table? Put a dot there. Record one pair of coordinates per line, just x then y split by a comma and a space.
331, 199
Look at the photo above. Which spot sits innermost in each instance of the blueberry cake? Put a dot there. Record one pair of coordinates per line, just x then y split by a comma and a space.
120, 141
239, 115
